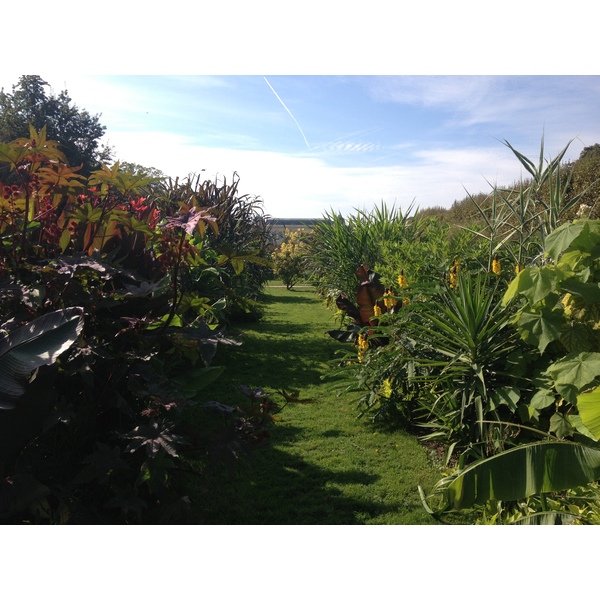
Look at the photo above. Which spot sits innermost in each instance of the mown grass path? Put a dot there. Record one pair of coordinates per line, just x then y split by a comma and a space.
323, 465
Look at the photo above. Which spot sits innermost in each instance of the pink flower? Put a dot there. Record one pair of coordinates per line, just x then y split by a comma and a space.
188, 220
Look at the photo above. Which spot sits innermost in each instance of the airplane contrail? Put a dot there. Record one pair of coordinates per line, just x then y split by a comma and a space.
288, 111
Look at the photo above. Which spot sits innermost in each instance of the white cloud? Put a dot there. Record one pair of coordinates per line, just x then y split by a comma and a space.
528, 106
354, 147
304, 187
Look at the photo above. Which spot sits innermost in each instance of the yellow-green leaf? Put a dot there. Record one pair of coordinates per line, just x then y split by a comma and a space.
588, 405
65, 238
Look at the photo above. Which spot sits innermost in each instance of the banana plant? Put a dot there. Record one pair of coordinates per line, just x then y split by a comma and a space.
526, 470
369, 294
34, 345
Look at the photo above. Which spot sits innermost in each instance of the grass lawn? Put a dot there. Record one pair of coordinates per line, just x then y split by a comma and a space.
322, 464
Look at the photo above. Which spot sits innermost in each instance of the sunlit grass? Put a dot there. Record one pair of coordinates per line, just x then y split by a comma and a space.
323, 465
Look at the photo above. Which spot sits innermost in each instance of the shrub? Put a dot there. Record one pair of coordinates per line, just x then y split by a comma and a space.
289, 258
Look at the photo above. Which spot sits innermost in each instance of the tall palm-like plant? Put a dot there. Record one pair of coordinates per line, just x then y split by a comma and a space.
518, 220
465, 352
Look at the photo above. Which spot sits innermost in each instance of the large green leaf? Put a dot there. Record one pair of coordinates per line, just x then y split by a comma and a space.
516, 285
575, 369
590, 292
524, 471
562, 237
33, 345
543, 398
560, 425
535, 283
588, 405
583, 235
539, 329
543, 281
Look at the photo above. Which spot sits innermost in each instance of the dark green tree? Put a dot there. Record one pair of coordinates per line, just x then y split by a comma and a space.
75, 129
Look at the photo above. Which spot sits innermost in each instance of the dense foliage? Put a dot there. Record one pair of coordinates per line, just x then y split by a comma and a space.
485, 340
112, 307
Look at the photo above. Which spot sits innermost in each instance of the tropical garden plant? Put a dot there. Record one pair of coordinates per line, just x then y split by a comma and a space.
240, 240
111, 308
492, 345
339, 245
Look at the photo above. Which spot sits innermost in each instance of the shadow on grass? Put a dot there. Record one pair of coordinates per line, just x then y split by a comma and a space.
275, 487
300, 299
277, 484
279, 366
284, 330
278, 354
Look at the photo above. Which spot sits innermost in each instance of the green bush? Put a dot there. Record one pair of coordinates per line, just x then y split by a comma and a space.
289, 258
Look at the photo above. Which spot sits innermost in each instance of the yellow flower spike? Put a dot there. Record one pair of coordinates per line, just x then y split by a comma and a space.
386, 388
496, 269
454, 271
376, 311
402, 280
566, 302
363, 342
518, 269
388, 300
363, 346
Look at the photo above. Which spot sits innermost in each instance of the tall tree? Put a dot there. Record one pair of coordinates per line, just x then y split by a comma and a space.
75, 129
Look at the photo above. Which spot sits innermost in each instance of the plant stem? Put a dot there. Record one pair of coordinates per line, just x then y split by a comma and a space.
174, 281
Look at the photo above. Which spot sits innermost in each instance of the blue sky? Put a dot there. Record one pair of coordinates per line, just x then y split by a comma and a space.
326, 105
310, 144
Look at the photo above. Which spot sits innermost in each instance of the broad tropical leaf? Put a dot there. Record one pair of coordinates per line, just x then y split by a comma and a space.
576, 369
588, 405
524, 471
33, 345
538, 283
590, 292
561, 238
583, 235
153, 437
539, 329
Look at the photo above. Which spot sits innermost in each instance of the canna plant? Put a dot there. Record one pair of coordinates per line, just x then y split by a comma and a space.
372, 300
